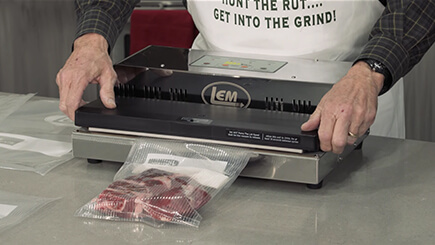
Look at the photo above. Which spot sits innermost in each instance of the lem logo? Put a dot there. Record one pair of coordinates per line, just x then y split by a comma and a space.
225, 93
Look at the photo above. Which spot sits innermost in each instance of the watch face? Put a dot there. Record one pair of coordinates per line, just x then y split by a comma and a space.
377, 66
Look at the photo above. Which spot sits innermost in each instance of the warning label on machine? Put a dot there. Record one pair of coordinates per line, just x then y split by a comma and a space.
263, 136
281, 138
244, 134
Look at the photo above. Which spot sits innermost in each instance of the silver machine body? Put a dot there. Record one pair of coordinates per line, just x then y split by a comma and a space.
269, 87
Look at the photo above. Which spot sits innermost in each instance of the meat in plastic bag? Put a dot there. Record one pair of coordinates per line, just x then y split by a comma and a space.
167, 182
155, 194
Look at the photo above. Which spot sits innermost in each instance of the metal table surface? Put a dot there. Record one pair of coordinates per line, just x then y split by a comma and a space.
382, 194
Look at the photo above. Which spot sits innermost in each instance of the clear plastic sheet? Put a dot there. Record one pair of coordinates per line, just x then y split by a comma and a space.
167, 182
14, 208
36, 137
11, 102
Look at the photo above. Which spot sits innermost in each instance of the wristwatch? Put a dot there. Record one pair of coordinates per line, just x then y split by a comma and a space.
378, 67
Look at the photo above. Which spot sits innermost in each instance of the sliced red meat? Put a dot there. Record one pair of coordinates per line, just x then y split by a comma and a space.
154, 193
110, 200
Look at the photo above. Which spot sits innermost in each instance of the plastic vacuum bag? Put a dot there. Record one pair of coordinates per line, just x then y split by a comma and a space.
165, 182
11, 102
14, 208
36, 137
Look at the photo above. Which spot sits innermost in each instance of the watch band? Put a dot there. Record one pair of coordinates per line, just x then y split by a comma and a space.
378, 67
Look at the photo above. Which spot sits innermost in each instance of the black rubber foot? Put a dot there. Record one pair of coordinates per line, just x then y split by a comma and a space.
94, 161
315, 186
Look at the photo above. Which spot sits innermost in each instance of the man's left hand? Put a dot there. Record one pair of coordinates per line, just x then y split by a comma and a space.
347, 110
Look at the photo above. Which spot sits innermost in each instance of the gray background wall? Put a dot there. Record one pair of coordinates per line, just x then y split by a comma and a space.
420, 99
35, 41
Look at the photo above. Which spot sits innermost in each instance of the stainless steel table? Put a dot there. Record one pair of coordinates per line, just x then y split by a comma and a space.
382, 194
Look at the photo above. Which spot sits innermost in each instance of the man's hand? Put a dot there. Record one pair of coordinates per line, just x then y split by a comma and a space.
88, 63
348, 108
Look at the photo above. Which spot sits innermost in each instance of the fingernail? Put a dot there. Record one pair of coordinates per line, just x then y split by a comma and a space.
167, 72
111, 102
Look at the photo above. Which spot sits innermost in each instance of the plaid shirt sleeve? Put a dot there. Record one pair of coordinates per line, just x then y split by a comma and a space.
401, 36
104, 17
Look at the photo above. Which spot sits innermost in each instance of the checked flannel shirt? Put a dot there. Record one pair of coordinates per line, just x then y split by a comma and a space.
399, 39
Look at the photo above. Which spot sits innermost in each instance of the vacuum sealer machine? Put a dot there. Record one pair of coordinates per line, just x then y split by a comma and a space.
252, 101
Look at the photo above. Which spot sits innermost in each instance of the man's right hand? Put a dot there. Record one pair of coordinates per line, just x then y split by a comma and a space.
88, 63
